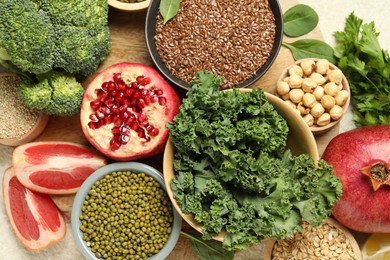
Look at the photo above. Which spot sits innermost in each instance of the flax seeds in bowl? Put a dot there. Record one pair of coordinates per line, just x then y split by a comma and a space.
238, 40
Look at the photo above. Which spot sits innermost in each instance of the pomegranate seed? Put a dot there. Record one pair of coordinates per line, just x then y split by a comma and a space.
115, 144
122, 87
109, 119
147, 100
124, 139
146, 81
153, 99
129, 92
145, 92
134, 126
109, 101
153, 131
123, 107
134, 85
99, 92
141, 103
119, 96
162, 101
115, 109
130, 119
144, 123
125, 129
104, 97
93, 118
105, 86
141, 117
158, 91
139, 78
95, 105
124, 115
117, 120
93, 125
102, 121
114, 92
136, 94
141, 133
117, 77
99, 114
111, 86
105, 110
116, 131
147, 138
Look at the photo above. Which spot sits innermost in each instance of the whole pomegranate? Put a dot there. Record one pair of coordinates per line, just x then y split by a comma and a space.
125, 109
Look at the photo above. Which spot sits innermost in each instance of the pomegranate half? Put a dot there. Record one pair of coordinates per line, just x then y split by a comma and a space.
125, 109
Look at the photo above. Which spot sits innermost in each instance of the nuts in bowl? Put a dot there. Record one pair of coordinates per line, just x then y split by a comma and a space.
123, 211
317, 90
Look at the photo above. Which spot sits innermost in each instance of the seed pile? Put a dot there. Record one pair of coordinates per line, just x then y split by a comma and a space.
126, 216
15, 118
322, 242
232, 39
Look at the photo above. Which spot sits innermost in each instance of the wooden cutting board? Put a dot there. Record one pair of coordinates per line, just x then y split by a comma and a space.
128, 45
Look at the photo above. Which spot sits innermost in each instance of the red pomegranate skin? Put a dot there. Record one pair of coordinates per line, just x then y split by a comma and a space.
34, 216
361, 208
139, 141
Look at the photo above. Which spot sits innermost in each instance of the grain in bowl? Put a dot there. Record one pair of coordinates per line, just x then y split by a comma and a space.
233, 39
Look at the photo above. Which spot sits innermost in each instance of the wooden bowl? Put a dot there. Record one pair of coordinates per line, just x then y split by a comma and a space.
131, 7
269, 243
299, 140
34, 132
345, 86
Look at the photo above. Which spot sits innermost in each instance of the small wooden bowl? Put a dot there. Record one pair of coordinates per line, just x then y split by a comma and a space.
40, 125
270, 242
131, 7
317, 130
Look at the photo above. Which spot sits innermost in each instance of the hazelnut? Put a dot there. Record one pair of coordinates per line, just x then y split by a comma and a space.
291, 104
286, 96
331, 89
336, 112
303, 110
335, 76
322, 66
282, 88
295, 81
308, 84
308, 66
327, 101
317, 110
318, 92
309, 100
309, 119
295, 70
341, 97
323, 120
319, 79
296, 95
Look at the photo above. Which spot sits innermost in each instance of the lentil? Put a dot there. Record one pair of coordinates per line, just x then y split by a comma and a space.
232, 39
322, 242
139, 223
15, 118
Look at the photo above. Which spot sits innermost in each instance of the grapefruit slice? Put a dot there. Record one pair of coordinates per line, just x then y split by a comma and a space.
55, 167
33, 216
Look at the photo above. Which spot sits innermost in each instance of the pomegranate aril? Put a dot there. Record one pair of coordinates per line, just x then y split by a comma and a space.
129, 92
105, 110
109, 119
147, 139
104, 97
95, 105
117, 121
111, 86
130, 119
144, 123
125, 129
115, 144
124, 115
162, 101
146, 81
124, 139
105, 86
121, 87
99, 114
136, 94
115, 109
158, 91
139, 78
141, 117
134, 126
117, 77
93, 125
141, 133
123, 107
93, 117
119, 96
141, 103
153, 99
134, 85
145, 92
116, 131
153, 131
99, 92
114, 92
147, 100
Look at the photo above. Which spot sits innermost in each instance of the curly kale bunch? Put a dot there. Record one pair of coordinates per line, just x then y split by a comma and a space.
39, 37
234, 171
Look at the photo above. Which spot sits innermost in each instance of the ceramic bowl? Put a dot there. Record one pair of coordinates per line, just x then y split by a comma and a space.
150, 31
134, 167
299, 140
132, 7
316, 129
270, 243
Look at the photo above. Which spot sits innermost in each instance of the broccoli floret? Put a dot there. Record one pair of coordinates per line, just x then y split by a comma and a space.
56, 94
43, 35
26, 36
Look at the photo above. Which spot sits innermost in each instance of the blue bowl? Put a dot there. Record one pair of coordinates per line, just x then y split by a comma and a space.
135, 167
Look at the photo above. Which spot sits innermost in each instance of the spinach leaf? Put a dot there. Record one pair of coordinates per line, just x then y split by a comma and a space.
310, 48
299, 20
169, 8
207, 250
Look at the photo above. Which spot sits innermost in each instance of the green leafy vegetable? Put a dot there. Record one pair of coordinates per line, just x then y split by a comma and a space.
234, 171
299, 20
310, 48
207, 250
169, 8
367, 67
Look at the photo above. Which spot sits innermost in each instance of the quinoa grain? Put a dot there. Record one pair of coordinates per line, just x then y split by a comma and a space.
15, 118
232, 39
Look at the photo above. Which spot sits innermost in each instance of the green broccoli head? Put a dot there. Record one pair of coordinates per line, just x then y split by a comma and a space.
57, 94
27, 36
36, 96
43, 35
66, 96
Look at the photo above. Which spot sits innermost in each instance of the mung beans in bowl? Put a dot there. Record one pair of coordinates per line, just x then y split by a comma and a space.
121, 211
238, 40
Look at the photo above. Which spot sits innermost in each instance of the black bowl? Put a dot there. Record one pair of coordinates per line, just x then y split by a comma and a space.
150, 28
